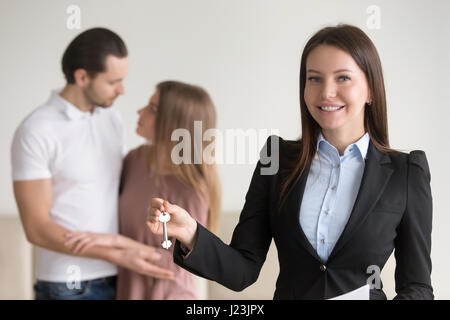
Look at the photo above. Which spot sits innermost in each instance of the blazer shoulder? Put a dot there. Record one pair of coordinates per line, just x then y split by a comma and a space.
418, 158
276, 145
279, 155
415, 158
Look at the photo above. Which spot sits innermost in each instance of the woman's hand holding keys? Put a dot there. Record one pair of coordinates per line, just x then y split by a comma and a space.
181, 225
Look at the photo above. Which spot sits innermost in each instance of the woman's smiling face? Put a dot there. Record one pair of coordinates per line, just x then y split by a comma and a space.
336, 90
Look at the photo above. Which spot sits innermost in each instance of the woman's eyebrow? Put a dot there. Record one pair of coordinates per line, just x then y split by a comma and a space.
337, 71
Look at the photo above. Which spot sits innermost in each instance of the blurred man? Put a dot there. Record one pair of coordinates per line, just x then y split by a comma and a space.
66, 165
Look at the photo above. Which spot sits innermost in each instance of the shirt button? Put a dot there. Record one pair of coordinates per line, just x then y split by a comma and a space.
323, 240
333, 187
351, 149
323, 268
327, 211
338, 165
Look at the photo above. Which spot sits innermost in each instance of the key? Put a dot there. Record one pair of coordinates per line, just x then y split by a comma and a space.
164, 217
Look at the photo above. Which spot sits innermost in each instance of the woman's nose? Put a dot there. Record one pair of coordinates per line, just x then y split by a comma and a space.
328, 90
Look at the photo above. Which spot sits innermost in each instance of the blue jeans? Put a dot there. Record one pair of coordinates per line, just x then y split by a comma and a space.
97, 289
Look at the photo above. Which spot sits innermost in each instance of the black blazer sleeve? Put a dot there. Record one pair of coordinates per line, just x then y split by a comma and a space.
413, 241
237, 265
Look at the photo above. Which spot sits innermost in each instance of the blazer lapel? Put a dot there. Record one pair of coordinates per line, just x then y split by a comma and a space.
292, 208
375, 178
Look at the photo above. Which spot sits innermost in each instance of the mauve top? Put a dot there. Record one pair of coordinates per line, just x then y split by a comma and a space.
138, 187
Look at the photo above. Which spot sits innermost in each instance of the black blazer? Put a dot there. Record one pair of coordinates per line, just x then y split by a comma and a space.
393, 210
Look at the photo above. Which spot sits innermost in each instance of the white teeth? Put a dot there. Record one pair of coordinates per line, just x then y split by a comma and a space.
327, 108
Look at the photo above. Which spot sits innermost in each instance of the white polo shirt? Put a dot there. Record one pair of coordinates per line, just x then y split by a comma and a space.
81, 152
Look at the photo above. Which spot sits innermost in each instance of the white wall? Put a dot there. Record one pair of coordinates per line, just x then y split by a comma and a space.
246, 54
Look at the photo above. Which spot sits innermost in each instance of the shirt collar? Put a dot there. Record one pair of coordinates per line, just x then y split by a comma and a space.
361, 145
72, 112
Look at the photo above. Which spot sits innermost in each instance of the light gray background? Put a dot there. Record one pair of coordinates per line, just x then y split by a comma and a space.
246, 53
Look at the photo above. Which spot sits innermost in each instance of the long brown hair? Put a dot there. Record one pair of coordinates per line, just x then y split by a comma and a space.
356, 43
181, 104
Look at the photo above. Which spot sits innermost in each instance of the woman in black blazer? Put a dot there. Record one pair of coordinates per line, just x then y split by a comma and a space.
342, 102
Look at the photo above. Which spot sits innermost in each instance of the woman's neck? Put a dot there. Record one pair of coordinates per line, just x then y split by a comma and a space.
341, 139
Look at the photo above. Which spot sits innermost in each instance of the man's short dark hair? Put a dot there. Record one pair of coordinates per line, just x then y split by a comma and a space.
89, 51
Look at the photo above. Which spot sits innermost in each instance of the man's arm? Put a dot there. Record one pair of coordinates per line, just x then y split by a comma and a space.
34, 199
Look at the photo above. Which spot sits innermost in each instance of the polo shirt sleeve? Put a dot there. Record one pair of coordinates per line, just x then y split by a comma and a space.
29, 155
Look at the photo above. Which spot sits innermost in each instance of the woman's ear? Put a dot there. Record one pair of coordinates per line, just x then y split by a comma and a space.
369, 99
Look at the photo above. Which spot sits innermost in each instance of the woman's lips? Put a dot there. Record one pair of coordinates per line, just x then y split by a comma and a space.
331, 110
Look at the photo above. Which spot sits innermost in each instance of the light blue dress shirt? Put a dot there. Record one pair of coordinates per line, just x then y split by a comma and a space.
330, 192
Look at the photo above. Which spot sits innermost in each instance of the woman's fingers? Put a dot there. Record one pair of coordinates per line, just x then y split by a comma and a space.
156, 203
151, 256
81, 241
81, 244
170, 208
153, 270
155, 209
154, 227
74, 237
158, 272
153, 214
173, 209
87, 246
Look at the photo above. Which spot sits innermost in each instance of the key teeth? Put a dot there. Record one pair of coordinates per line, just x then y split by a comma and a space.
166, 244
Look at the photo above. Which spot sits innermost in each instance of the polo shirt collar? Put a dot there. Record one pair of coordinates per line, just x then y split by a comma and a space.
72, 112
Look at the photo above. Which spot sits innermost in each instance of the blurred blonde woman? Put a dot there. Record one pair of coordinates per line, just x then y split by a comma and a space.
148, 270
149, 171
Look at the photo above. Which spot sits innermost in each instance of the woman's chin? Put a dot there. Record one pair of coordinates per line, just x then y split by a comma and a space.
329, 126
142, 134
139, 132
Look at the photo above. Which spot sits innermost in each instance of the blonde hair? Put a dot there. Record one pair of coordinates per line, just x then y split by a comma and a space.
181, 104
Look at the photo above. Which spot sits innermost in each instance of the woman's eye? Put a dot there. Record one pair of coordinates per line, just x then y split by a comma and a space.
344, 78
313, 79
